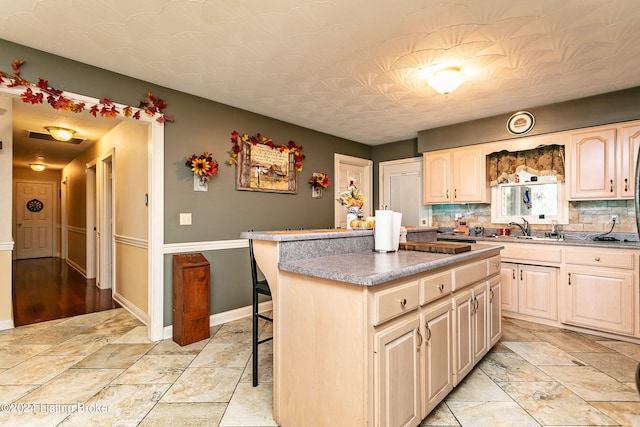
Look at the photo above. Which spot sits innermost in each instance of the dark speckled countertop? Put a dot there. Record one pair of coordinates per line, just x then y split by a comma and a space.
574, 239
372, 268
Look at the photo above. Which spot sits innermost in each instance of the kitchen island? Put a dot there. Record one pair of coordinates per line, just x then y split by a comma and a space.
364, 338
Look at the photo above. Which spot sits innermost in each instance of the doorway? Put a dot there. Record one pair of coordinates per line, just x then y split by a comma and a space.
360, 171
34, 213
401, 190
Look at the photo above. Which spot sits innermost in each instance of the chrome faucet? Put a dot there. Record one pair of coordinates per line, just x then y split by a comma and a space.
526, 231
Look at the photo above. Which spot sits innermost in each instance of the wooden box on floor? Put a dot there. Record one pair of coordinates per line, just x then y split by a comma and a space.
190, 298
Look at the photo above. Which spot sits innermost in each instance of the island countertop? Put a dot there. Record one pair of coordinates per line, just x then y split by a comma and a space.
370, 268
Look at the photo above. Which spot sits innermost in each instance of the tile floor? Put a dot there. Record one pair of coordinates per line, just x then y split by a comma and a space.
99, 369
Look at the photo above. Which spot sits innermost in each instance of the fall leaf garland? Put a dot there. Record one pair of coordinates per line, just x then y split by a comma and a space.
36, 93
291, 147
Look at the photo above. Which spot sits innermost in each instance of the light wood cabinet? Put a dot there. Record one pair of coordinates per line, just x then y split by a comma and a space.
437, 357
531, 290
602, 162
470, 308
600, 290
495, 310
397, 373
455, 176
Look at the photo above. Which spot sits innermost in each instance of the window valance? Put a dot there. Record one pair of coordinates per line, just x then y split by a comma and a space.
541, 161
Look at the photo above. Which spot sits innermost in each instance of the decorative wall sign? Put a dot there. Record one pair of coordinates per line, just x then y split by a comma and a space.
264, 166
35, 205
520, 123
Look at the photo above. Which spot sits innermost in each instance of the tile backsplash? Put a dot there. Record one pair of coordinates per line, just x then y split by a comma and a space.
592, 216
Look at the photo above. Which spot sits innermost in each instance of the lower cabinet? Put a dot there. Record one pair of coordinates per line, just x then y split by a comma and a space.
437, 324
397, 373
495, 310
470, 307
531, 290
600, 299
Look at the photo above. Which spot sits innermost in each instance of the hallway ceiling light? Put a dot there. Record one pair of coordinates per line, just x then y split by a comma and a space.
447, 80
38, 167
61, 134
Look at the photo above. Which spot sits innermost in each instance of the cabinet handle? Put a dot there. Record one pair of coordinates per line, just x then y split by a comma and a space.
569, 279
490, 295
419, 339
447, 194
520, 274
597, 258
441, 287
403, 302
626, 184
514, 273
611, 188
473, 305
428, 328
455, 193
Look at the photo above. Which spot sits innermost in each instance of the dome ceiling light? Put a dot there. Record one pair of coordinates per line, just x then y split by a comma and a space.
61, 134
447, 80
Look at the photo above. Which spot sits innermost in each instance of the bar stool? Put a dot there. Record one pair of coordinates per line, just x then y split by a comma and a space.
259, 287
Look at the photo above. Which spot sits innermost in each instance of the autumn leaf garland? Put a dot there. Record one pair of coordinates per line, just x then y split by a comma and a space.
291, 147
38, 92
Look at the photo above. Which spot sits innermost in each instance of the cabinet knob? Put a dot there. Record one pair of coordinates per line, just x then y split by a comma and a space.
403, 302
611, 189
626, 184
597, 258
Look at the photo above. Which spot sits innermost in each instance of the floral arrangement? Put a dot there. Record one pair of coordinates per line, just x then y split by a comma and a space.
37, 93
319, 180
291, 147
351, 197
203, 165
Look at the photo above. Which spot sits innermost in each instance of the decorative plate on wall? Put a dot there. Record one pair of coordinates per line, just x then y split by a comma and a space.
520, 123
35, 205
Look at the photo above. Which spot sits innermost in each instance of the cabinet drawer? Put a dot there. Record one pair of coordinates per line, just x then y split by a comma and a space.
468, 274
493, 265
395, 301
530, 252
435, 286
600, 258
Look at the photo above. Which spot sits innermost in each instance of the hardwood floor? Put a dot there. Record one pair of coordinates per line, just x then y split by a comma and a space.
47, 289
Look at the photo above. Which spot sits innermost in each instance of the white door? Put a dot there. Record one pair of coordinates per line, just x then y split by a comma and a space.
360, 171
401, 189
35, 212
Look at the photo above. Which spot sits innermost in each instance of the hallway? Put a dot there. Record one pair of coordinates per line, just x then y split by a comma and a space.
49, 289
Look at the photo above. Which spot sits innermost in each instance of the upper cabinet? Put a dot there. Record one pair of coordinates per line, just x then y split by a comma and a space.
455, 176
602, 162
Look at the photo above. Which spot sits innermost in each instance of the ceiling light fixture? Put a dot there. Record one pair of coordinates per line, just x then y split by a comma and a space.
447, 80
61, 134
38, 167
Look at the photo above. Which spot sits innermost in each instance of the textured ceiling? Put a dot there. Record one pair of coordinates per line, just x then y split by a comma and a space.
347, 67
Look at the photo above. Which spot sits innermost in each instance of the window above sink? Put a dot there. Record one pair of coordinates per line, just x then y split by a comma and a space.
538, 199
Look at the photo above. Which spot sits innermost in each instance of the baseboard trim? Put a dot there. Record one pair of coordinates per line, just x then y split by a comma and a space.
227, 316
6, 324
77, 268
131, 308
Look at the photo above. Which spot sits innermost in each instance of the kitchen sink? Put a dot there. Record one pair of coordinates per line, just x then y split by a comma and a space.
548, 239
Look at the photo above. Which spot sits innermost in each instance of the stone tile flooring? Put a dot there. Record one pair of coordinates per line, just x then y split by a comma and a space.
99, 369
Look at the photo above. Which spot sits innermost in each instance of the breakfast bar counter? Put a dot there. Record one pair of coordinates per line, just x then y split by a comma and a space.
350, 325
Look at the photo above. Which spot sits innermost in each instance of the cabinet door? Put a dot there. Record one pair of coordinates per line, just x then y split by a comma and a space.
508, 277
630, 144
495, 311
480, 321
463, 305
538, 291
469, 175
599, 299
397, 385
437, 175
592, 165
437, 355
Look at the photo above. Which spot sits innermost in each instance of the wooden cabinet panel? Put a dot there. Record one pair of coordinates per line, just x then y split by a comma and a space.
600, 299
396, 300
480, 321
437, 177
463, 334
592, 164
538, 291
435, 286
629, 146
455, 176
508, 277
397, 391
437, 322
600, 258
495, 310
468, 274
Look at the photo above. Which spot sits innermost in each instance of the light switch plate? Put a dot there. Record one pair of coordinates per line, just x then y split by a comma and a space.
185, 219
